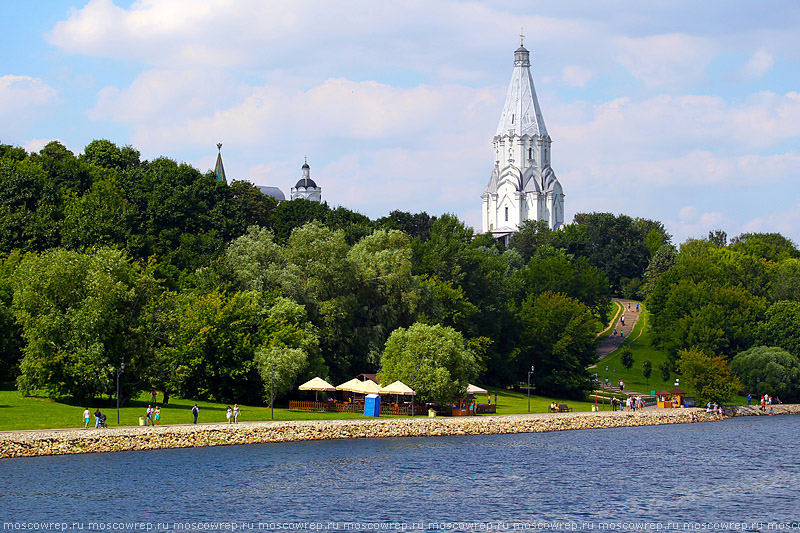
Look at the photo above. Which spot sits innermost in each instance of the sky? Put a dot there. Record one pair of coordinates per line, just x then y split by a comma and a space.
683, 112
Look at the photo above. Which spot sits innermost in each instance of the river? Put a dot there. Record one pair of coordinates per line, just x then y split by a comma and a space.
739, 474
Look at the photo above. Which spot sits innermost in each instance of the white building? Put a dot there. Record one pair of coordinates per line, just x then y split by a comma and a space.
523, 186
306, 188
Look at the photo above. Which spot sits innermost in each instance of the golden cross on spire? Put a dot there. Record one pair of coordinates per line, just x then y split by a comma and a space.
219, 146
521, 36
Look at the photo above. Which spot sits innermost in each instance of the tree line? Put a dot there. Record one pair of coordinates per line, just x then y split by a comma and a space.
213, 290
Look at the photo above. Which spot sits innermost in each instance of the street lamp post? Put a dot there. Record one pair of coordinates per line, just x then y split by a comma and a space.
414, 396
120, 370
272, 393
604, 379
529, 388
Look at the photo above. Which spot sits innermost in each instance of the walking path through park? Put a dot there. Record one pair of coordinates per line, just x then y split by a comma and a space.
612, 342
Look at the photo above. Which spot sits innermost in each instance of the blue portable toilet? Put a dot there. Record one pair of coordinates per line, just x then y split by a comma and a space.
372, 405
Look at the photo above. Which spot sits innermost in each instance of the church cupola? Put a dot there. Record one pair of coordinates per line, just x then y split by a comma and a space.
306, 188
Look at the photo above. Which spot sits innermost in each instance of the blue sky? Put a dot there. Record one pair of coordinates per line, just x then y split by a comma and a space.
683, 112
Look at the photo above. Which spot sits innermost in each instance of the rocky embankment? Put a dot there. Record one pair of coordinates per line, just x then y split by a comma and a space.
58, 442
755, 410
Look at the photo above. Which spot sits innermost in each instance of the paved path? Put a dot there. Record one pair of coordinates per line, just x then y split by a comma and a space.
612, 342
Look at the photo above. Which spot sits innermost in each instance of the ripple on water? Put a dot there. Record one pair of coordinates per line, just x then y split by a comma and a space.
741, 469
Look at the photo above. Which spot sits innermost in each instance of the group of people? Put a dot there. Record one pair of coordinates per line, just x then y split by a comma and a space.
765, 401
232, 414
153, 416
631, 403
99, 419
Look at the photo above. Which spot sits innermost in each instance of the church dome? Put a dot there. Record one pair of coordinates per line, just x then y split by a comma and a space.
305, 183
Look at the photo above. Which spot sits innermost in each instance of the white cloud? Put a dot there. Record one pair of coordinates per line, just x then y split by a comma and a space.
758, 65
785, 222
22, 100
34, 145
666, 60
696, 224
167, 107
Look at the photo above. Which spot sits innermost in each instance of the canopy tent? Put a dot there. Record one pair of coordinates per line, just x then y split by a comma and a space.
398, 387
317, 384
474, 389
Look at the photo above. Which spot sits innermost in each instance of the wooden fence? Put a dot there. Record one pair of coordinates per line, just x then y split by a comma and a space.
386, 409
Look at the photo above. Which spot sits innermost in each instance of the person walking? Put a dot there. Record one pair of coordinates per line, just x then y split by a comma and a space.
236, 413
87, 416
229, 414
97, 418
157, 415
195, 411
149, 421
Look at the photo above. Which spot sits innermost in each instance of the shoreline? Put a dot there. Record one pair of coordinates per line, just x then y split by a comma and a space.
33, 443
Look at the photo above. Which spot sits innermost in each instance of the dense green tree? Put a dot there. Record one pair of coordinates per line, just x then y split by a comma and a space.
614, 244
101, 217
556, 273
627, 358
31, 207
768, 370
786, 280
215, 341
707, 378
659, 264
557, 335
65, 170
782, 327
10, 332
720, 320
436, 359
718, 237
292, 214
80, 316
290, 350
532, 235
256, 260
647, 371
103, 153
666, 371
250, 206
416, 225
770, 246
385, 289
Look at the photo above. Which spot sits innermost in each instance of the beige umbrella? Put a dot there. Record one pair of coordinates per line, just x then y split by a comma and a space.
474, 389
317, 384
350, 386
369, 387
398, 387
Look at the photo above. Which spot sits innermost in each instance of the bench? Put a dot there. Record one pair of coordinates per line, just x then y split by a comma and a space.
564, 408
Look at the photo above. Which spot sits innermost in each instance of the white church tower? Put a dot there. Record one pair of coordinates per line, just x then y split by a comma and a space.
523, 186
305, 187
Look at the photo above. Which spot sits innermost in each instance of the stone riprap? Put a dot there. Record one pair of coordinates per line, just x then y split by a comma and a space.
58, 442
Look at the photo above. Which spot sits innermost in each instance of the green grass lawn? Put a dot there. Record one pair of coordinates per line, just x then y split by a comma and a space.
18, 412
